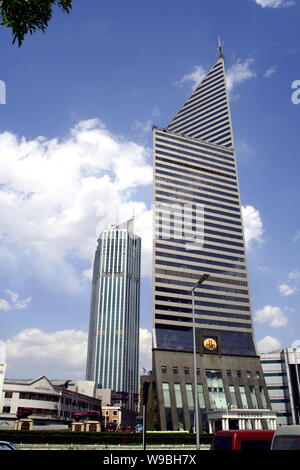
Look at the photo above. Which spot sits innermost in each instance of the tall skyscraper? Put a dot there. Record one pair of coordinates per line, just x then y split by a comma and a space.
199, 230
113, 344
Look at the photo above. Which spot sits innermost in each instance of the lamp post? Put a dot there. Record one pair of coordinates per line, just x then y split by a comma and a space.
145, 391
201, 280
227, 406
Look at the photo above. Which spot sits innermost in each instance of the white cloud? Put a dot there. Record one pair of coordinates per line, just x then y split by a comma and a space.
87, 274
253, 225
4, 305
2, 352
15, 303
60, 354
57, 195
286, 290
244, 150
13, 295
195, 77
145, 350
144, 228
274, 316
297, 236
156, 111
268, 344
146, 126
270, 71
239, 72
33, 352
294, 275
291, 286
275, 3
265, 269
236, 74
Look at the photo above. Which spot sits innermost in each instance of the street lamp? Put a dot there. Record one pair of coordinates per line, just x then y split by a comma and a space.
201, 280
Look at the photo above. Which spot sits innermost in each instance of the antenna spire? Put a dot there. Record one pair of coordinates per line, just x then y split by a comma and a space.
220, 48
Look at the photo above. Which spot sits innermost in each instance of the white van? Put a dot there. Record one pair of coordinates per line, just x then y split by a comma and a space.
286, 438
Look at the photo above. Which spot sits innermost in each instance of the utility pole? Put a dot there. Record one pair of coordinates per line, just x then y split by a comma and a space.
201, 280
146, 386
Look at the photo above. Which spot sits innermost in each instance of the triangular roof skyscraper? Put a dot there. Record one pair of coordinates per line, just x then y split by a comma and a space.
201, 329
206, 113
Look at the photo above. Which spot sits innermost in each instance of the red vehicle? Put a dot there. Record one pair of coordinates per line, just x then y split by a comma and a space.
24, 412
242, 440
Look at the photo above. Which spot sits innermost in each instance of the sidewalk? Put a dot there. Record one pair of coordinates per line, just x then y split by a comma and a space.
105, 447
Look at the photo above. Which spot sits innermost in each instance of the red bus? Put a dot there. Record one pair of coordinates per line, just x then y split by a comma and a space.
242, 440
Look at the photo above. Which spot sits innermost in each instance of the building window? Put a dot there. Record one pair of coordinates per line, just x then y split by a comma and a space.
233, 399
163, 369
190, 401
228, 372
283, 400
115, 412
179, 405
216, 389
238, 373
248, 374
6, 409
175, 370
243, 396
257, 375
8, 394
273, 361
263, 397
186, 371
198, 372
201, 396
275, 374
253, 396
167, 403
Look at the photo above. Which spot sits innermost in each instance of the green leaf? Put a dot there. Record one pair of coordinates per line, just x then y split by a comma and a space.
27, 16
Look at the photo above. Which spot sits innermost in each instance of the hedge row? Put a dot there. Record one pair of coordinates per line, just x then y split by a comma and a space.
101, 438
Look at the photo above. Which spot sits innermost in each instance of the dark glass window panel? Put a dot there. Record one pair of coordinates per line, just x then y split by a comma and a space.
181, 339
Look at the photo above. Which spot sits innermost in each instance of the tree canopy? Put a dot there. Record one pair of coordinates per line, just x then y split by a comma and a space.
28, 16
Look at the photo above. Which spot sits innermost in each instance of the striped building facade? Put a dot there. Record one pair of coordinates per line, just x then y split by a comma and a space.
199, 230
282, 374
113, 344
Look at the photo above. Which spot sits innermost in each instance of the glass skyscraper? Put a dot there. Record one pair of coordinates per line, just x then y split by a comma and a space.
113, 343
199, 230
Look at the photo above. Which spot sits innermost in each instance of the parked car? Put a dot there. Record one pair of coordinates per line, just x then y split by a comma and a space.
286, 438
7, 446
242, 440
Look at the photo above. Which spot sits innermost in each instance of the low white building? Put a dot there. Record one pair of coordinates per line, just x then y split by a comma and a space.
50, 401
282, 374
223, 420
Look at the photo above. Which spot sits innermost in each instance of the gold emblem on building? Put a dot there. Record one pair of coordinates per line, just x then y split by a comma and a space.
210, 344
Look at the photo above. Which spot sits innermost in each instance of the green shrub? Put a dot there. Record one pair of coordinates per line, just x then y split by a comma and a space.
100, 438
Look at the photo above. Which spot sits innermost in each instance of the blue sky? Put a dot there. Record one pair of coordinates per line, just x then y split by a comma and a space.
75, 155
